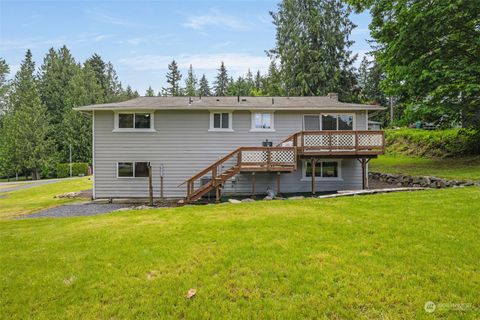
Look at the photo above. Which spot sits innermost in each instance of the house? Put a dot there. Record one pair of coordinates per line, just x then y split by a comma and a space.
230, 145
374, 125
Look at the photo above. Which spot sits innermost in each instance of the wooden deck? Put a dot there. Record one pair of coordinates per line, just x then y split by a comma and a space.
283, 158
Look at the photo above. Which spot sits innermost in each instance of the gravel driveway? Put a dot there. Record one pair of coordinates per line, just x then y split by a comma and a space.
76, 210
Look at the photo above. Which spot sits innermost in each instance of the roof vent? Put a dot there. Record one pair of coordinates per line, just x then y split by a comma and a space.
218, 99
273, 100
333, 96
190, 100
244, 99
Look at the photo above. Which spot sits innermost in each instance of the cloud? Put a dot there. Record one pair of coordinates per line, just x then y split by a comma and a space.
217, 19
107, 18
236, 63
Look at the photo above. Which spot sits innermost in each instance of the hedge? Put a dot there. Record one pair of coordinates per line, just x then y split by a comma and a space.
433, 143
78, 168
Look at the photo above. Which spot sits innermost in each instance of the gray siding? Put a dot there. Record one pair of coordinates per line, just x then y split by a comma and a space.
184, 146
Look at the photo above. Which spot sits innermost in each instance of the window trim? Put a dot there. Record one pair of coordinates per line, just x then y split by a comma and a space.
320, 118
339, 170
252, 126
230, 121
118, 129
134, 163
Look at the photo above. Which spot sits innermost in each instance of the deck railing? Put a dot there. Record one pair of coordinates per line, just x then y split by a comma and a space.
337, 142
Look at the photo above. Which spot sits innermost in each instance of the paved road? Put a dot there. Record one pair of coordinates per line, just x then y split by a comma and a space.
17, 185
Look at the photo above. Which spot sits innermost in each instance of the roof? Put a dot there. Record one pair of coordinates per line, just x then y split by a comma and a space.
230, 103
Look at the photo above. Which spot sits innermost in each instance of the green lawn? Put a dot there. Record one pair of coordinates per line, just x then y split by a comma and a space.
32, 199
378, 256
461, 169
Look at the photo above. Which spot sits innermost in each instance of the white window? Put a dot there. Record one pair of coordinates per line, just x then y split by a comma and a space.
130, 169
324, 170
221, 121
315, 122
134, 122
262, 121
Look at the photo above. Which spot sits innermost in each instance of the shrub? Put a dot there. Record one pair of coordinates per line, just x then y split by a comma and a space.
78, 168
434, 143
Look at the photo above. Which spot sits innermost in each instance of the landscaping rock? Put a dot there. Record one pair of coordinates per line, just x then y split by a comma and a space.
234, 201
248, 200
296, 198
419, 181
68, 195
191, 293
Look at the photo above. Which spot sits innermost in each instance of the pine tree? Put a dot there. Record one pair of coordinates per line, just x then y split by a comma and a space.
57, 70
83, 89
4, 86
221, 81
26, 124
273, 85
312, 45
150, 92
258, 81
173, 80
191, 83
100, 69
249, 83
204, 88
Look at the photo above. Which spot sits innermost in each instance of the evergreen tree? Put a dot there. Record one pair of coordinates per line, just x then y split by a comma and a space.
4, 85
113, 90
129, 93
273, 85
57, 70
221, 81
249, 83
99, 67
191, 83
204, 88
83, 89
4, 88
26, 125
258, 81
173, 80
150, 92
312, 45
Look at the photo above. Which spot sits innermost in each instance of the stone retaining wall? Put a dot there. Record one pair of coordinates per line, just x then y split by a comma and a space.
415, 181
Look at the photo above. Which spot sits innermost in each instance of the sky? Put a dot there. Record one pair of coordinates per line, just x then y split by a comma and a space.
140, 38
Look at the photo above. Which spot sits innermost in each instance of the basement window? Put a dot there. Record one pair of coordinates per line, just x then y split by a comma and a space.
324, 170
132, 169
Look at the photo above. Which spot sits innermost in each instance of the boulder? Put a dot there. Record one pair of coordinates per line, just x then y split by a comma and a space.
234, 201
296, 198
248, 200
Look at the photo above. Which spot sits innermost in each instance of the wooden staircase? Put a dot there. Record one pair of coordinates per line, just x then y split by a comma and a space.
283, 158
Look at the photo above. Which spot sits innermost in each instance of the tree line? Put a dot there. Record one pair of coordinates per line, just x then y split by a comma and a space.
38, 126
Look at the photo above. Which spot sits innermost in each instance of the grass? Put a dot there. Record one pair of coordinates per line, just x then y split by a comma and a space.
379, 256
467, 168
25, 201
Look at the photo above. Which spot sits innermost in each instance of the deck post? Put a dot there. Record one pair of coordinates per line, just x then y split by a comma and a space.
314, 187
150, 185
363, 162
278, 183
253, 185
217, 194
